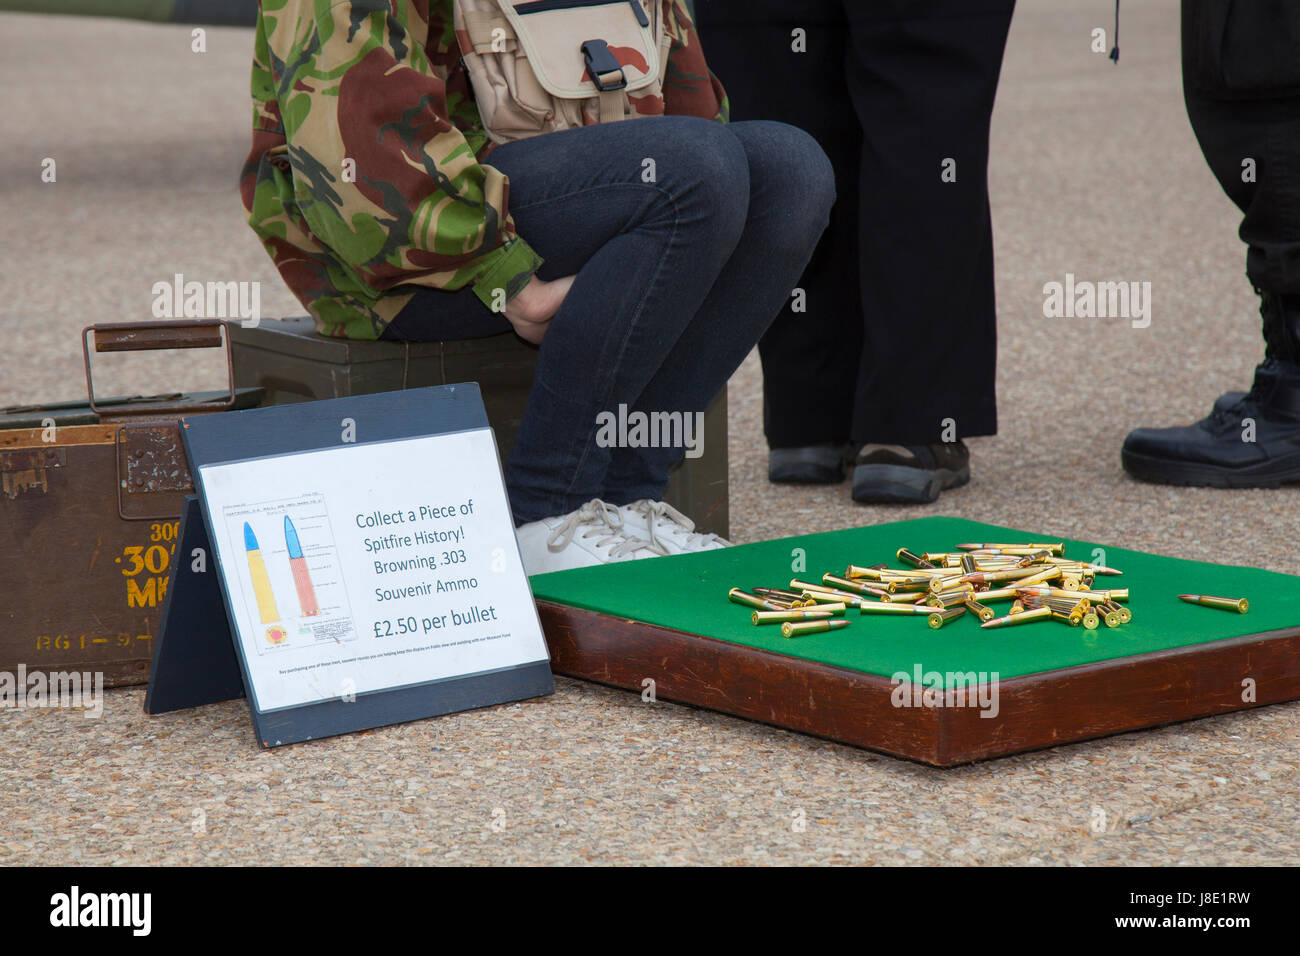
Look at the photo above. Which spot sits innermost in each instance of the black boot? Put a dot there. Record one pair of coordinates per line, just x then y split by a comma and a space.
1249, 440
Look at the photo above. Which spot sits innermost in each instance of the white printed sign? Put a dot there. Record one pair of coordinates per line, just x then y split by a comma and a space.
364, 568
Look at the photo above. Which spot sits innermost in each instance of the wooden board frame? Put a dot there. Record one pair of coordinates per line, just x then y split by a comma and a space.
1035, 711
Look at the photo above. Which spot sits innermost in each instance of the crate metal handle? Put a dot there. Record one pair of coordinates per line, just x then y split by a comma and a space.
152, 336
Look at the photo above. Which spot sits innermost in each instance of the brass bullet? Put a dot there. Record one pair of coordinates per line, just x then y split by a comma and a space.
1125, 615
968, 564
853, 572
816, 590
1024, 617
881, 607
738, 596
1091, 620
1028, 547
1240, 605
822, 599
979, 610
939, 618
856, 587
779, 617
1021, 575
946, 583
799, 629
1046, 574
779, 593
915, 560
1033, 557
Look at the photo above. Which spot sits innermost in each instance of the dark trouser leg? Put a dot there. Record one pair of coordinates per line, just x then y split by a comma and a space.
810, 357
923, 76
791, 190
1241, 83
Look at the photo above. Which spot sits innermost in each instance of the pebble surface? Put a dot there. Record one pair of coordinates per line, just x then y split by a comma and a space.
1095, 171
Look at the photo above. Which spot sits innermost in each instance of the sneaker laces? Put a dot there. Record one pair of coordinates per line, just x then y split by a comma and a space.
602, 522
674, 522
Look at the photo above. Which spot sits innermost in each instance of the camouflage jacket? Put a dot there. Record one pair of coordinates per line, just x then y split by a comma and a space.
367, 177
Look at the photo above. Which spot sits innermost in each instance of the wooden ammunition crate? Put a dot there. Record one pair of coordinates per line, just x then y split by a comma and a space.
90, 497
290, 362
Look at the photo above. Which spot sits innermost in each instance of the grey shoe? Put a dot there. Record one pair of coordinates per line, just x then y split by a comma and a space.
810, 465
911, 474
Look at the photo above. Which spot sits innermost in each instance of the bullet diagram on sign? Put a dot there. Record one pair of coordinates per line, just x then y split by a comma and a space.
292, 573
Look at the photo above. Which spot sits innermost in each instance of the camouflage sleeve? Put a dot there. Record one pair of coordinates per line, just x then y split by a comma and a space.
380, 174
689, 88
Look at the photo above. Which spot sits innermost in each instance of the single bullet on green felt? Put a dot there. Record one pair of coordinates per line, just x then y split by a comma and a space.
1240, 605
780, 617
799, 629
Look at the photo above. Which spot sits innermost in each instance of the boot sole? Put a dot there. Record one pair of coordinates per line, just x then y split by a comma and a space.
1165, 471
804, 474
898, 484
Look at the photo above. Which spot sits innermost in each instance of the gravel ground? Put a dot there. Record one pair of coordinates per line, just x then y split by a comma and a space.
1095, 172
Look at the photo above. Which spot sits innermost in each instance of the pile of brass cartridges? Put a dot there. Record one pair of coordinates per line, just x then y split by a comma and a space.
1036, 578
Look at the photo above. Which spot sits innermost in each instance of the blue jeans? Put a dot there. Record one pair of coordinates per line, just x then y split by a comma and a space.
686, 237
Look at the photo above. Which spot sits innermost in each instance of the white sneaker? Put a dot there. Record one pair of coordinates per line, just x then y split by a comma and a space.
594, 534
664, 526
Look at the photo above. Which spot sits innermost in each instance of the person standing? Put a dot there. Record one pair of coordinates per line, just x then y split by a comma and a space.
1241, 84
888, 344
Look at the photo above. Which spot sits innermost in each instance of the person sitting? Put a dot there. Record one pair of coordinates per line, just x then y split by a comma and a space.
645, 257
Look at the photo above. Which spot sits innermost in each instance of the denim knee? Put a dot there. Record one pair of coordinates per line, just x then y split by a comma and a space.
791, 178
706, 171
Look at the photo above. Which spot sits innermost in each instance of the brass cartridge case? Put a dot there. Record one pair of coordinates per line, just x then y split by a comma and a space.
737, 596
1028, 547
780, 617
938, 619
1024, 617
822, 598
981, 611
881, 607
915, 560
1240, 605
802, 628
843, 584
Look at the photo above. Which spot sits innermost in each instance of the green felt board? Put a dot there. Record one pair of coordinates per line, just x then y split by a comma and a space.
689, 593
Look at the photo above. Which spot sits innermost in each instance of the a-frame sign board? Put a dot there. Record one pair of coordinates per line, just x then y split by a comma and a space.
347, 564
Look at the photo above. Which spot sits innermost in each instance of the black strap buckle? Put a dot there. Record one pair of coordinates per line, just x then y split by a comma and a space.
600, 62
